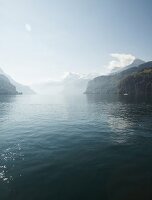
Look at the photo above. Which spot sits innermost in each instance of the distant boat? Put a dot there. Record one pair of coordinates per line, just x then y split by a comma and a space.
125, 94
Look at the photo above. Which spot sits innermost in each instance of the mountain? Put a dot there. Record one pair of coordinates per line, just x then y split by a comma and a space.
6, 88
19, 87
72, 83
135, 63
138, 83
132, 81
75, 83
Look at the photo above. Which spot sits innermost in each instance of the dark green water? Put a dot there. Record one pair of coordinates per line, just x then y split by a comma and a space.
75, 148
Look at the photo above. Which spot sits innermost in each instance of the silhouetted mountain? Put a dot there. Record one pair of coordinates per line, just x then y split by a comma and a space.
134, 80
19, 87
6, 88
138, 83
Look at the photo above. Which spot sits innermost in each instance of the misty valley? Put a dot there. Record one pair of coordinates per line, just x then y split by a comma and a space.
75, 100
78, 143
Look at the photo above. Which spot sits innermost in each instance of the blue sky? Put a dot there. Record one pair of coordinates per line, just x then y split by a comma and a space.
43, 39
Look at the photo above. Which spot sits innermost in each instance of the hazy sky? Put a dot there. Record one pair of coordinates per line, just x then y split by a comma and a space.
43, 39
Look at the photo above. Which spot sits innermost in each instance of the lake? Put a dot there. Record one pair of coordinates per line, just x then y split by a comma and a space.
75, 148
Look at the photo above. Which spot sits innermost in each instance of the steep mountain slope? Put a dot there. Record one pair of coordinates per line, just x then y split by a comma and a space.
121, 83
138, 84
19, 87
6, 88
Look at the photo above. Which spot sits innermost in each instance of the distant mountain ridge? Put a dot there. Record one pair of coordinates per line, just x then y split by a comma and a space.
19, 87
71, 83
133, 80
135, 63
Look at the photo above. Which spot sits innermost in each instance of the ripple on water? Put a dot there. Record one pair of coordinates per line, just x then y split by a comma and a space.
8, 161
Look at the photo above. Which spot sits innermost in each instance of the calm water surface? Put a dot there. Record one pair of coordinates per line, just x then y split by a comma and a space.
74, 148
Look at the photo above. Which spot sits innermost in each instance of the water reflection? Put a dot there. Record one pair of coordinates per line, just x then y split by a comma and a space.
130, 122
6, 104
7, 98
122, 114
96, 98
122, 107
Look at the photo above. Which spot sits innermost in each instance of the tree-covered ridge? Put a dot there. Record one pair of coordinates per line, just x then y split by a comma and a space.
136, 80
138, 83
144, 72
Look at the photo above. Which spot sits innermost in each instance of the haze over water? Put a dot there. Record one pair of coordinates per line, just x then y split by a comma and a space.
74, 147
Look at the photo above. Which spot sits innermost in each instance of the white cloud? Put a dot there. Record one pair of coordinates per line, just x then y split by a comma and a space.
120, 60
76, 76
28, 27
